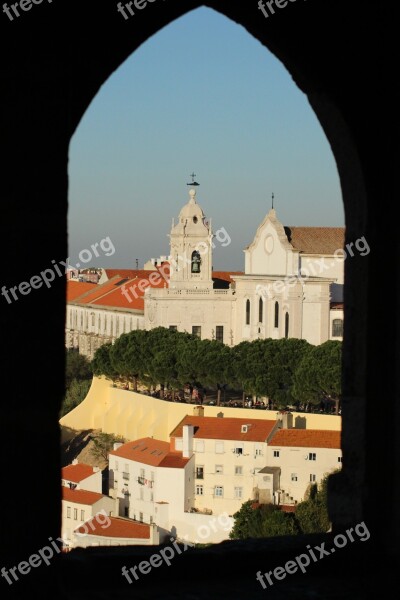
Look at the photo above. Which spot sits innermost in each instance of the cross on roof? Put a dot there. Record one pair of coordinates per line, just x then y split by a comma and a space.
193, 175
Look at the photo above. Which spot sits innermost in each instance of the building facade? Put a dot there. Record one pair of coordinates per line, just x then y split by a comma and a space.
292, 285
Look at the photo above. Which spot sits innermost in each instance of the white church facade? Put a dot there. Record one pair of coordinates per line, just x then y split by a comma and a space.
292, 285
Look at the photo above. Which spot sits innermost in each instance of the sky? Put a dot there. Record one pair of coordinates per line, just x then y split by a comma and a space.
201, 96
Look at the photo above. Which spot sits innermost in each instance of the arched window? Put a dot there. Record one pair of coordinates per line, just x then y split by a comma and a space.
247, 312
196, 261
276, 320
337, 328
286, 325
260, 310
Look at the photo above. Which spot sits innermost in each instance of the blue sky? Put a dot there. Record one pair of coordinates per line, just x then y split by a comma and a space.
202, 95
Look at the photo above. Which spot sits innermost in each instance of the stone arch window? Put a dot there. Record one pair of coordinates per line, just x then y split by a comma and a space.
260, 310
337, 328
286, 325
247, 312
276, 316
196, 261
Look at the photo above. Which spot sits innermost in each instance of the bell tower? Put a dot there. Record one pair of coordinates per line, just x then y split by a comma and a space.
191, 248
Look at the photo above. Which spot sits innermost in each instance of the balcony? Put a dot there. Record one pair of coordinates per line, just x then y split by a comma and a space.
144, 481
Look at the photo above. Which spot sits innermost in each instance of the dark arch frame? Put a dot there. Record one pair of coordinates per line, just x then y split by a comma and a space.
50, 77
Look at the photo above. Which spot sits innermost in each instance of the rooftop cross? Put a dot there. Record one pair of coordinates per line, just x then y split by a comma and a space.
193, 175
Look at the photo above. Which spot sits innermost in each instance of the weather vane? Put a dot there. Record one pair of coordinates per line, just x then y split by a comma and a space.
273, 200
193, 175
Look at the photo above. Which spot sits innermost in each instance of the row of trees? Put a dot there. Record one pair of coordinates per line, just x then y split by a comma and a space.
268, 520
78, 378
285, 370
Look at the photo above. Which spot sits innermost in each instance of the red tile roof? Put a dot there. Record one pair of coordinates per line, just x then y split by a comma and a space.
101, 290
76, 473
151, 452
77, 288
115, 527
81, 496
129, 294
316, 240
306, 438
226, 275
216, 428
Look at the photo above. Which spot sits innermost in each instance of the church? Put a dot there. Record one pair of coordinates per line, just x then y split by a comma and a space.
292, 285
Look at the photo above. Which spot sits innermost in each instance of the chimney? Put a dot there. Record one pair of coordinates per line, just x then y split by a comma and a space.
187, 450
117, 445
75, 461
286, 419
198, 411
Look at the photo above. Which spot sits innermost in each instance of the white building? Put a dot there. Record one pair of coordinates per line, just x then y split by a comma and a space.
78, 506
82, 477
292, 285
152, 484
302, 457
228, 453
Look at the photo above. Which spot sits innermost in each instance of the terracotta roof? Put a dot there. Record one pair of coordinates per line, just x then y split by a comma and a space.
81, 496
129, 294
151, 452
306, 438
216, 428
76, 473
77, 288
101, 290
226, 275
316, 240
115, 527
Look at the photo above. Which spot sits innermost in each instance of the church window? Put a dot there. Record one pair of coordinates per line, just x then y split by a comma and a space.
276, 321
196, 260
337, 328
247, 312
286, 325
260, 310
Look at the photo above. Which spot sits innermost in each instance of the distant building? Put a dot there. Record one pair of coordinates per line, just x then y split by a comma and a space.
152, 483
292, 286
80, 505
304, 457
82, 477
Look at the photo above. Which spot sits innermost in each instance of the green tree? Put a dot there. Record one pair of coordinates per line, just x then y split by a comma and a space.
77, 367
318, 376
101, 363
312, 514
267, 520
76, 392
103, 443
127, 355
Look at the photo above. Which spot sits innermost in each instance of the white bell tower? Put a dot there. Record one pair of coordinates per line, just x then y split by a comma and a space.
191, 248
